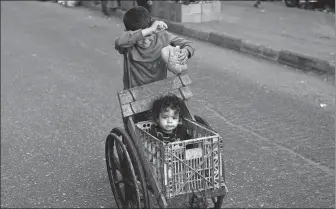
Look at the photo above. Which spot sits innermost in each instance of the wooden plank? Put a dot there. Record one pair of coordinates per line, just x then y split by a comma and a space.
186, 92
146, 104
126, 110
185, 79
125, 97
141, 105
139, 99
177, 93
159, 87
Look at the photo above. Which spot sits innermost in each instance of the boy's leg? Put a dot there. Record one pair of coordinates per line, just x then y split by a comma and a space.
257, 4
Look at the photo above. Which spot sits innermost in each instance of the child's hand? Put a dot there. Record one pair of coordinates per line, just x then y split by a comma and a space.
158, 26
183, 56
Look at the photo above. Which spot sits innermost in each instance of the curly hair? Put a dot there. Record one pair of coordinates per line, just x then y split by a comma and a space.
137, 18
170, 101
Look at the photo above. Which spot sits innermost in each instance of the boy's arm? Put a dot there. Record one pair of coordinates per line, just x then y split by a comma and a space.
126, 40
129, 38
183, 43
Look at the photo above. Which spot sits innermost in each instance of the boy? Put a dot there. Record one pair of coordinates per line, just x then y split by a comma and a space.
144, 40
168, 112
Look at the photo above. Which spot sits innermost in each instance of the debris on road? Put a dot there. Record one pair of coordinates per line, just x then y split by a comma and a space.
321, 104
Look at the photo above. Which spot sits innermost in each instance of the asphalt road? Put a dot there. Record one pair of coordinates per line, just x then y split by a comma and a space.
59, 78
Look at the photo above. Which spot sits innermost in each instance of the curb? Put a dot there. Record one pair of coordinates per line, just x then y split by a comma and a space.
282, 56
286, 57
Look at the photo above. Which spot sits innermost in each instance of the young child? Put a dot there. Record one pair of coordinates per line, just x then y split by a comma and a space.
144, 40
168, 112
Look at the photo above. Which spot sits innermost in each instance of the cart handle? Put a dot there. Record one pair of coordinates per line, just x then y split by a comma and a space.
128, 71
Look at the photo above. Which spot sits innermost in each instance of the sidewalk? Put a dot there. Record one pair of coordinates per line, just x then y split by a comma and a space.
295, 37
307, 33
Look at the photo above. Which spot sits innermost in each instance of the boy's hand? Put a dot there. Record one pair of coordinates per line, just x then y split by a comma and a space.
183, 56
158, 26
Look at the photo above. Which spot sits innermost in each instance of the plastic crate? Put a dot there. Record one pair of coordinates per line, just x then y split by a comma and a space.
188, 166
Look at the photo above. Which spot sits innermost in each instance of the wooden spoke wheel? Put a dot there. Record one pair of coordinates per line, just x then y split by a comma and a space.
125, 171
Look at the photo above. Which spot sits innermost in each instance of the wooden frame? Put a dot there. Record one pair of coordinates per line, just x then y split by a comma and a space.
139, 99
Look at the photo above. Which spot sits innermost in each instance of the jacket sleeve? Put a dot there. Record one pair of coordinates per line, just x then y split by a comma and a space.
127, 40
183, 43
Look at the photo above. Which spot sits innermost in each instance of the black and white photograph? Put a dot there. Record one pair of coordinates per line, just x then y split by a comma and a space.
145, 104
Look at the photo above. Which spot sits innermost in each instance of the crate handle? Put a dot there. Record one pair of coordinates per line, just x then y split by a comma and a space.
192, 146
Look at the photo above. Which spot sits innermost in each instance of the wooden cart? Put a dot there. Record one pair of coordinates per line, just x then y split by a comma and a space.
145, 172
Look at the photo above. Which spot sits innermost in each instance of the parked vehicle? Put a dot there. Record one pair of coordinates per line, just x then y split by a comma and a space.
295, 3
323, 4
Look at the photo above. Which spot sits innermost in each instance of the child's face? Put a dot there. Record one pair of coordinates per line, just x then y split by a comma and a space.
168, 120
146, 42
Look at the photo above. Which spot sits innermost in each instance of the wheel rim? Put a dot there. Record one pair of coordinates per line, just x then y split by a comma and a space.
139, 172
218, 202
112, 163
121, 173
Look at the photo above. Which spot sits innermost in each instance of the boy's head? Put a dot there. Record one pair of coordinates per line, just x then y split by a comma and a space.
167, 112
139, 18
